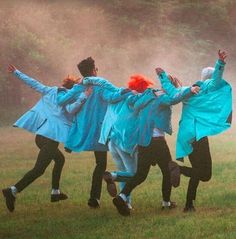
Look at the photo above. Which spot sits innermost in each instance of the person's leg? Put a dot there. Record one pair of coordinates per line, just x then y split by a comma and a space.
145, 159
201, 163
117, 158
47, 151
111, 177
163, 158
95, 193
130, 165
56, 194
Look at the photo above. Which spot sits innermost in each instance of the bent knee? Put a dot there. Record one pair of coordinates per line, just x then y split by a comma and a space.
205, 178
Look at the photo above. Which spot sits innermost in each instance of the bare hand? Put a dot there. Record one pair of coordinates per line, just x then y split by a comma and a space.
88, 91
222, 55
159, 70
195, 89
11, 68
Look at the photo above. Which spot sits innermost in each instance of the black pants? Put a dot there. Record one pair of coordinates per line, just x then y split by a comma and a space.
101, 164
201, 170
48, 151
157, 152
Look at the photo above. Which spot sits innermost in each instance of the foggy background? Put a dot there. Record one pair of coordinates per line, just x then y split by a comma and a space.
46, 40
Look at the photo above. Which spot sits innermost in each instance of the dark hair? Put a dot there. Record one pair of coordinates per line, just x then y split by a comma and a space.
86, 66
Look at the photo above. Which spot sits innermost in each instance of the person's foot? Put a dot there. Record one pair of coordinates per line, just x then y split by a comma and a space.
10, 199
189, 209
58, 197
174, 173
93, 203
169, 205
111, 186
121, 206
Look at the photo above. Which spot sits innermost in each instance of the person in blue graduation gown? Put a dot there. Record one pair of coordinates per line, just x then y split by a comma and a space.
208, 113
50, 122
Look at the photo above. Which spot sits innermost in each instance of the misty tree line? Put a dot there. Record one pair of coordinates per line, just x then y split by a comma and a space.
43, 37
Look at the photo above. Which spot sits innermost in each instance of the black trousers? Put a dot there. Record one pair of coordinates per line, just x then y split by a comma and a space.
48, 151
101, 164
157, 152
201, 170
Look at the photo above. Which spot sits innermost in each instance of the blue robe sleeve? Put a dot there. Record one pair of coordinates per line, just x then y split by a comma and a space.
216, 76
66, 97
99, 81
75, 107
112, 97
34, 84
175, 99
173, 95
138, 102
167, 86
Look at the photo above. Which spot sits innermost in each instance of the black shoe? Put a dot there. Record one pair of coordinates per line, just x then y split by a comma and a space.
58, 197
10, 199
170, 206
93, 203
174, 173
189, 209
121, 206
111, 186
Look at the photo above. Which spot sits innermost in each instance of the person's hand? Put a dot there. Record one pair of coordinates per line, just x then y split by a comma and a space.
195, 89
222, 55
11, 68
88, 91
159, 70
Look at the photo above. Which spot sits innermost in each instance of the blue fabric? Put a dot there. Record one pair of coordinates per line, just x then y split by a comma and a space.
204, 114
46, 118
125, 129
86, 127
157, 114
113, 109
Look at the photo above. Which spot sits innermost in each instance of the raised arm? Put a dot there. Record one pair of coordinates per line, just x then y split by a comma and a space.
166, 84
34, 84
219, 69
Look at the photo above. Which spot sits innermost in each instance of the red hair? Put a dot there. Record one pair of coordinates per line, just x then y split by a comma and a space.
69, 81
139, 83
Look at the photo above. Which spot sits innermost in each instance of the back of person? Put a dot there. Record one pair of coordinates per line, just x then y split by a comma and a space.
86, 128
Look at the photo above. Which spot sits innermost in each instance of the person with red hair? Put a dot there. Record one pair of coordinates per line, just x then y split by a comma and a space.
50, 122
153, 121
117, 114
139, 83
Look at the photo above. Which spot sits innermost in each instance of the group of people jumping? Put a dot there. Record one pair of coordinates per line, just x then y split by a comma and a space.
92, 114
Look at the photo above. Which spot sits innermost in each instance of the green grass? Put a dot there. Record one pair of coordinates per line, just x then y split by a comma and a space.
36, 217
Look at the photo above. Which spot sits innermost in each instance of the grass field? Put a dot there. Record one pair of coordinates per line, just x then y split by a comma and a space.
36, 217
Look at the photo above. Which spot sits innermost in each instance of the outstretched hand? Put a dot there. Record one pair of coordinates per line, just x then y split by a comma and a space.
11, 68
222, 55
195, 89
159, 70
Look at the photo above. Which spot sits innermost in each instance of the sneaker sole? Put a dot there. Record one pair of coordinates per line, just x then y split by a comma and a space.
120, 207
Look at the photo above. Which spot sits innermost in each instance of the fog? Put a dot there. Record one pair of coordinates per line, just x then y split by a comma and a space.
88, 31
